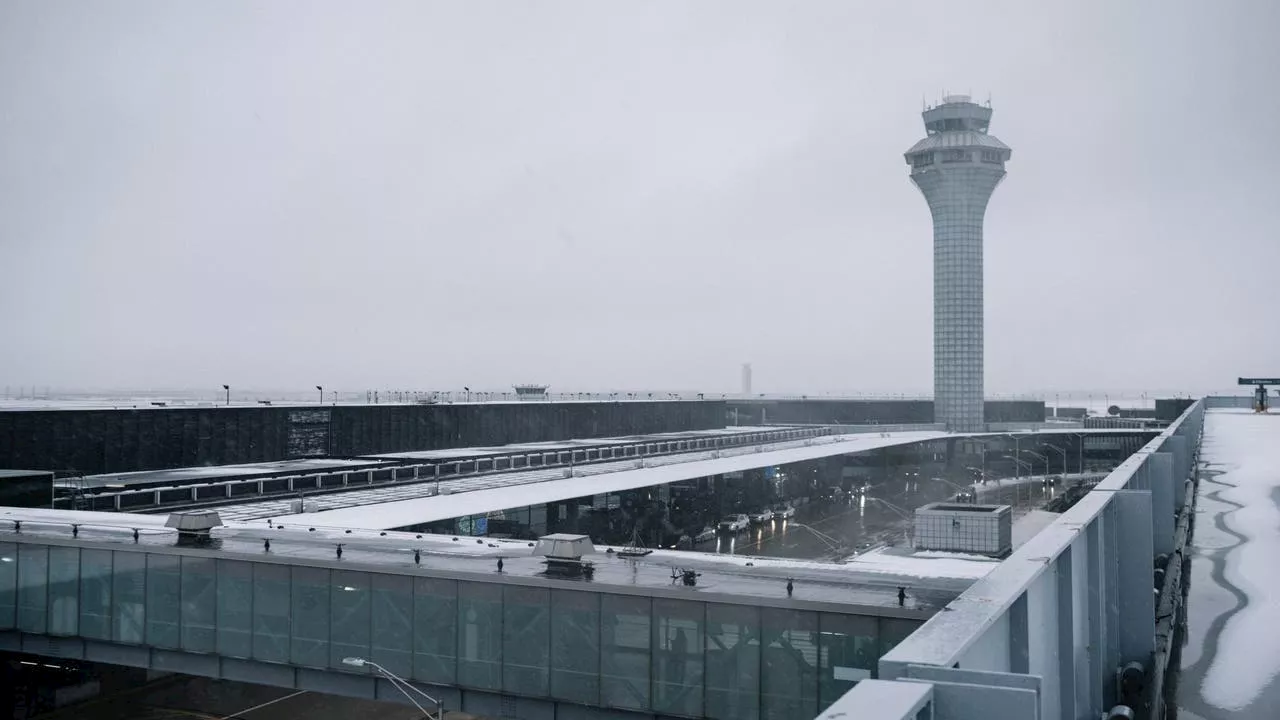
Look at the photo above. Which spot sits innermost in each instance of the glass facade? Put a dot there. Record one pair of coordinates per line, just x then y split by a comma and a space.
676, 657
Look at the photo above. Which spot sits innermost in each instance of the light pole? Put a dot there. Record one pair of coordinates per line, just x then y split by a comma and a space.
399, 683
906, 531
1064, 458
973, 494
228, 389
832, 544
1043, 459
1017, 466
321, 389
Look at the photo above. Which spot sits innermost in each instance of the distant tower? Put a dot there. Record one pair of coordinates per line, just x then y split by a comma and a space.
746, 378
957, 166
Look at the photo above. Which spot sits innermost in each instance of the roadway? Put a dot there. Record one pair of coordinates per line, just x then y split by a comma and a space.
186, 697
413, 504
394, 507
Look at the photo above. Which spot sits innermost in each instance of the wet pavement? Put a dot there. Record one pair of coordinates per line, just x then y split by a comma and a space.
184, 697
881, 517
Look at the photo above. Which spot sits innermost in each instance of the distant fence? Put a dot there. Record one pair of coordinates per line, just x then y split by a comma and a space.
1045, 634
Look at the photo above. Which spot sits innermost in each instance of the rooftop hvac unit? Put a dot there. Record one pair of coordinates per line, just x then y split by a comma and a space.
563, 553
194, 527
303, 506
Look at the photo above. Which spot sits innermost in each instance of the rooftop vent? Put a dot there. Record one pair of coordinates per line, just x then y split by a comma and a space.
563, 553
193, 527
531, 392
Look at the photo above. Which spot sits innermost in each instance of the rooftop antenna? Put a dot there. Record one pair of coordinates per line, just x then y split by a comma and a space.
988, 99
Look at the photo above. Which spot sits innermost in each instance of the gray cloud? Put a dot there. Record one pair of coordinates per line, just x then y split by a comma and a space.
600, 195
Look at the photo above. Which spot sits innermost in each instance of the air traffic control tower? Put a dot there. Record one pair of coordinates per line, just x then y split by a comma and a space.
957, 166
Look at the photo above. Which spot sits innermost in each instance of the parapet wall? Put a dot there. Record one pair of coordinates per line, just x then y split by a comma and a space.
109, 441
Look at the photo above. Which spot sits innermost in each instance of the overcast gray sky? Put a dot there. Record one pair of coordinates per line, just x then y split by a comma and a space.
601, 194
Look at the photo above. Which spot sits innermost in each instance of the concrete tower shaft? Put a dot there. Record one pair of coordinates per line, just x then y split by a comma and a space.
957, 166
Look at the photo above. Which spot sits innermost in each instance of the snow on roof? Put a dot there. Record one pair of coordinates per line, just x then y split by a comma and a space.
415, 511
1243, 449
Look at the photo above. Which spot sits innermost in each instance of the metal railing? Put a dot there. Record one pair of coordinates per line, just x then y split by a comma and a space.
1048, 632
222, 492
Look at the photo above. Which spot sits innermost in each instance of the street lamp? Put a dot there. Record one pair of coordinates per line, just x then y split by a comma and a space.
969, 491
906, 531
321, 389
1042, 458
228, 389
399, 683
1063, 451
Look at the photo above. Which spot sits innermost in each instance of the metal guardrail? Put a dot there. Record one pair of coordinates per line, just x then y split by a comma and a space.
1048, 632
222, 492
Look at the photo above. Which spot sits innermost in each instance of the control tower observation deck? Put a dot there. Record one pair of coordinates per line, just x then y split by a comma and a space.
957, 166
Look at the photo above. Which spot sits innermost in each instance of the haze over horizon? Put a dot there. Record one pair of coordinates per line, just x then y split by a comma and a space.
601, 196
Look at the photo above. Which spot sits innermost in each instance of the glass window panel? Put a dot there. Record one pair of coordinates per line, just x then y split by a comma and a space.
677, 656
625, 638
575, 646
789, 683
309, 645
33, 586
526, 628
847, 652
348, 616
199, 604
435, 630
271, 612
64, 590
894, 631
480, 635
733, 661
128, 596
95, 594
393, 623
235, 609
8, 585
164, 599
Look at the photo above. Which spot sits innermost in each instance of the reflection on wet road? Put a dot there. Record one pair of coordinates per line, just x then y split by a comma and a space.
880, 517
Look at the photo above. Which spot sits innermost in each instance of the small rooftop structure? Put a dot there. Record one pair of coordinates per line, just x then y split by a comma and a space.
981, 529
563, 553
194, 527
531, 392
564, 546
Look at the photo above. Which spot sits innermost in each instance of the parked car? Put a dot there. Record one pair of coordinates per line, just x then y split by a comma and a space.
760, 517
707, 533
782, 512
734, 523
